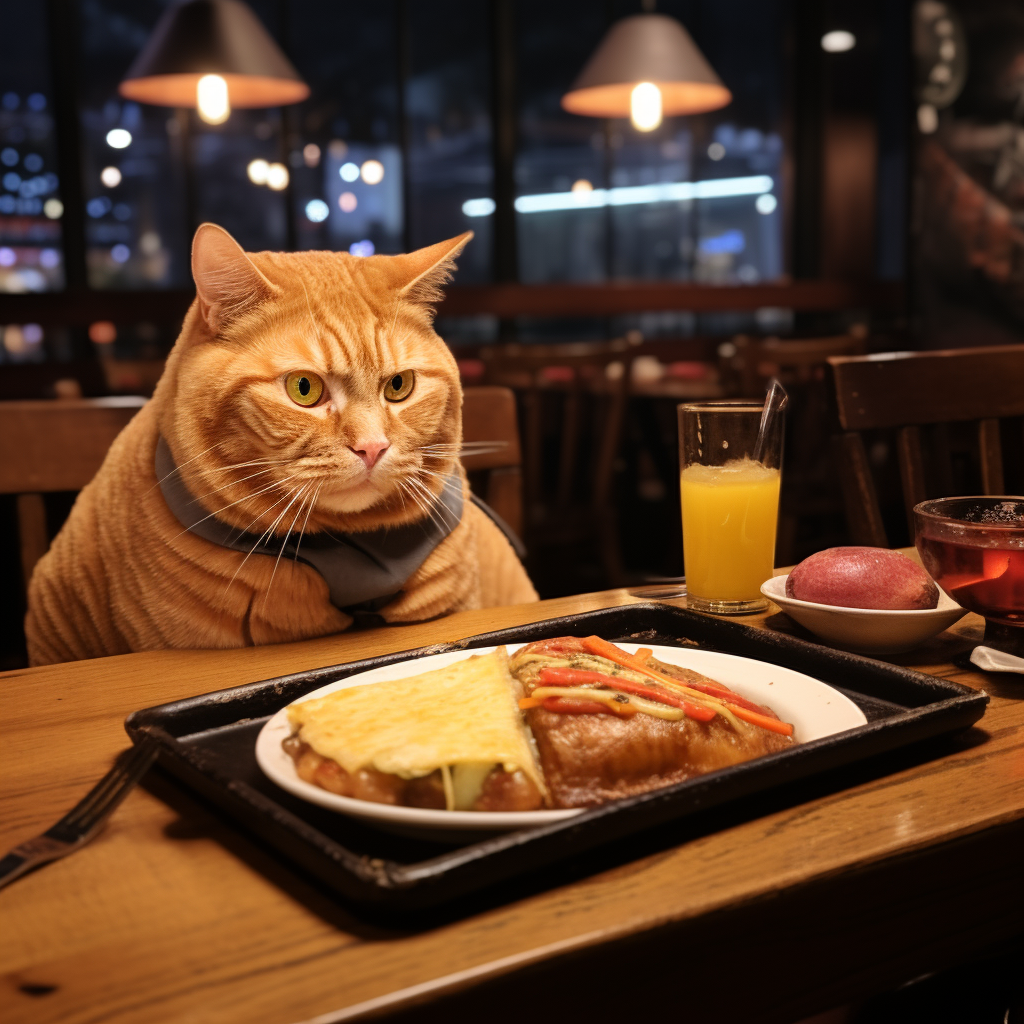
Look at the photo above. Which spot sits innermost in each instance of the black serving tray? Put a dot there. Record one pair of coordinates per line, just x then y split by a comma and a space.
208, 743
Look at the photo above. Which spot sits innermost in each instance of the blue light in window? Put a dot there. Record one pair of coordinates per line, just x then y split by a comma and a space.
478, 207
9, 156
363, 248
122, 211
49, 258
12, 181
7, 257
37, 101
98, 207
120, 254
11, 100
317, 210
33, 162
728, 242
7, 204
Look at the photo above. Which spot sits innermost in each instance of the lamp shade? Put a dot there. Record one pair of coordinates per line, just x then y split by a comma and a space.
646, 48
212, 37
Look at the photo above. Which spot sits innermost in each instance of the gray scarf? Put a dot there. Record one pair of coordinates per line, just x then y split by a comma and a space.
364, 571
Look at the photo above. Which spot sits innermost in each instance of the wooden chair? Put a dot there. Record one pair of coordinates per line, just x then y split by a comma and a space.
749, 363
490, 434
909, 391
574, 372
48, 446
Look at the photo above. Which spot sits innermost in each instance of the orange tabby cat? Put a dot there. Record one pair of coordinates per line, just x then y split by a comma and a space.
307, 398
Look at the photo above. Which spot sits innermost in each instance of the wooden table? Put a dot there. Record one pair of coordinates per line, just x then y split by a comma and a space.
170, 915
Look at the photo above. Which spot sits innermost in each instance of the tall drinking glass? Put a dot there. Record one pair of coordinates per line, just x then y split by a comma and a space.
730, 504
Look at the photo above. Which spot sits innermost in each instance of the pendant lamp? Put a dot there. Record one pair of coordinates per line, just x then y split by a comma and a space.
212, 55
646, 66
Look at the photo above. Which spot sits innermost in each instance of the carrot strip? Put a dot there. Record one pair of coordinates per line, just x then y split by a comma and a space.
772, 724
643, 653
529, 702
606, 649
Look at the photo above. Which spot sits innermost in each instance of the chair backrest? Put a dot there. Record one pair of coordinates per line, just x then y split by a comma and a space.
905, 391
490, 438
603, 368
50, 446
752, 362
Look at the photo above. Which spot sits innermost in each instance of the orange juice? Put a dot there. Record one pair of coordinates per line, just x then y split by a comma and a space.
729, 518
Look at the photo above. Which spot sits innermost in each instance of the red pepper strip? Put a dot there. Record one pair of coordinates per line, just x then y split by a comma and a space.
605, 649
558, 676
566, 706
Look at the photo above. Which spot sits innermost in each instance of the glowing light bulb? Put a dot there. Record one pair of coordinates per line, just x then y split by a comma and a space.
257, 171
119, 138
110, 176
645, 107
372, 172
212, 99
277, 177
582, 185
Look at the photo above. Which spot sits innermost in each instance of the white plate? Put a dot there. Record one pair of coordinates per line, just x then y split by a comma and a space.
814, 709
867, 630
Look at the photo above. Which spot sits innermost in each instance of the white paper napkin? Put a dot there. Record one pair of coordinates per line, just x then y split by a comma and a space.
990, 660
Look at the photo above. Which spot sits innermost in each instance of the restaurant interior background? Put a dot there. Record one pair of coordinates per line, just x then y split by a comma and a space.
867, 191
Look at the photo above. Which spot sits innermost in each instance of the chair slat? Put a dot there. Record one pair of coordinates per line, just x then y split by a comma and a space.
895, 389
861, 499
991, 451
31, 532
58, 445
911, 460
489, 418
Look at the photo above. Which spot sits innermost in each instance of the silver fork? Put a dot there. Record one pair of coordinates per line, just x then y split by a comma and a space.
86, 818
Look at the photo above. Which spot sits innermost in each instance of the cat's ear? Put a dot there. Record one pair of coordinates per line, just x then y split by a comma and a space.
227, 282
422, 274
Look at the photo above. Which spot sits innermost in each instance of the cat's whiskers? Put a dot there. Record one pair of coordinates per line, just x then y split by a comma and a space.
177, 469
266, 533
438, 499
418, 501
284, 543
248, 497
433, 502
312, 502
231, 483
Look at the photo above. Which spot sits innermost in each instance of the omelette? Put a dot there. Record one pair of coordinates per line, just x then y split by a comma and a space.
449, 739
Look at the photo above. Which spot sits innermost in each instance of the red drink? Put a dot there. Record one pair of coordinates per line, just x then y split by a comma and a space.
974, 550
989, 581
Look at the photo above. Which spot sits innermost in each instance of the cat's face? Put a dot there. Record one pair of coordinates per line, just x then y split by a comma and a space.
325, 399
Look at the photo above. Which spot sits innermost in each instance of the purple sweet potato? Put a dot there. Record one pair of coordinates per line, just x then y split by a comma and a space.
853, 577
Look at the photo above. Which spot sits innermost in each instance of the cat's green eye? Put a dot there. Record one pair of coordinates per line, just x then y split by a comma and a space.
399, 386
303, 387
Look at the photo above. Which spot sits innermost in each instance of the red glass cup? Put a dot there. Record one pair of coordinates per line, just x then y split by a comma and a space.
974, 549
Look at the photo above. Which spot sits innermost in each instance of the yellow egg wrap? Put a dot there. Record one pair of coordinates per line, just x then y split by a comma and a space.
466, 713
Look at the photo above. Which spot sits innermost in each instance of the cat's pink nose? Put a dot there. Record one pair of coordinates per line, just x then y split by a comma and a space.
370, 451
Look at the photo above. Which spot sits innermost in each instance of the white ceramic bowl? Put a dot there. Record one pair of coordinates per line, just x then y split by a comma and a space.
866, 630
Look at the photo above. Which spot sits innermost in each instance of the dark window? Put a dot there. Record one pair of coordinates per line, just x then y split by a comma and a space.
31, 258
